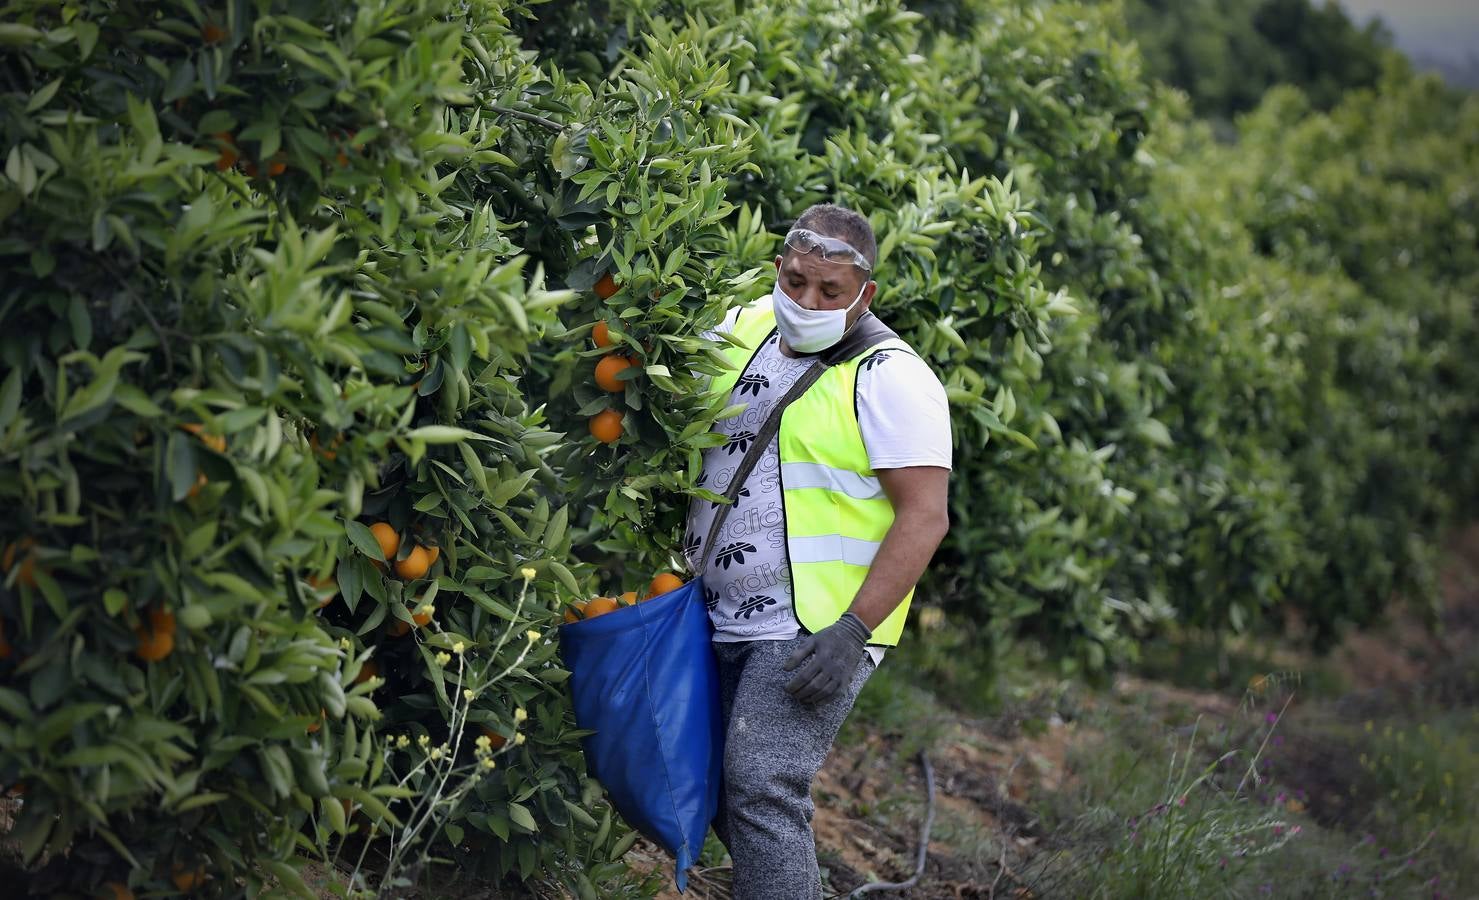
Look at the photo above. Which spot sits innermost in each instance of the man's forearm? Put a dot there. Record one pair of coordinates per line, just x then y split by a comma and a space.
905, 552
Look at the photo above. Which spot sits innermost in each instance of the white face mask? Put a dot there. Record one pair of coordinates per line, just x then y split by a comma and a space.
810, 330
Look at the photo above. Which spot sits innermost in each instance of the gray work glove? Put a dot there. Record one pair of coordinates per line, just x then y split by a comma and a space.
834, 653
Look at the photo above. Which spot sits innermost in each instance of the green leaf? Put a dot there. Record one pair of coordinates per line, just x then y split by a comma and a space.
363, 539
10, 398
445, 434
180, 465
51, 591
520, 816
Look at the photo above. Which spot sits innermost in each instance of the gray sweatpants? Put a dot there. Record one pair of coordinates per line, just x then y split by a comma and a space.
773, 748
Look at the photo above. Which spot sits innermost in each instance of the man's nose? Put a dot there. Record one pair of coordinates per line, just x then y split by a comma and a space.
811, 298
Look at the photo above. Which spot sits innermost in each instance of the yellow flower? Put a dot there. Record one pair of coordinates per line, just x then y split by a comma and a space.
443, 658
519, 738
437, 753
403, 742
458, 648
484, 742
1295, 806
490, 763
344, 644
426, 609
424, 740
520, 715
528, 573
467, 695
532, 635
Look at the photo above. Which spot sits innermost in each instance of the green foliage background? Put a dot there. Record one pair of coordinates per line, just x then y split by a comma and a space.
1223, 385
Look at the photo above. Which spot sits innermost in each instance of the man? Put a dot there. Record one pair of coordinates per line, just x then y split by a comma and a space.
813, 568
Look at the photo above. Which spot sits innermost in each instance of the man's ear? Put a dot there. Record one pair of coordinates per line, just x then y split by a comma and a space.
869, 291
778, 265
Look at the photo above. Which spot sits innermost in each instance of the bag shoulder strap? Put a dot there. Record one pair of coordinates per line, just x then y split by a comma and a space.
867, 333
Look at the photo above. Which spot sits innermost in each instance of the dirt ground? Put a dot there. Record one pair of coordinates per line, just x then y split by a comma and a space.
870, 802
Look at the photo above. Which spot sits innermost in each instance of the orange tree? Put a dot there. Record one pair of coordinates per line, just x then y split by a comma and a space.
289, 418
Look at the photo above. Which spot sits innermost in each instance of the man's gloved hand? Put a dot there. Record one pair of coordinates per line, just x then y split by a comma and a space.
834, 652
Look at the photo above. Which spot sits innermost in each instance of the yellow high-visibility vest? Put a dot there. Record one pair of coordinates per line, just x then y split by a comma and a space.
836, 513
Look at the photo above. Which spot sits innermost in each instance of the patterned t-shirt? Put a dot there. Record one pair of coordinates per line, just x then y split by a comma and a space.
904, 418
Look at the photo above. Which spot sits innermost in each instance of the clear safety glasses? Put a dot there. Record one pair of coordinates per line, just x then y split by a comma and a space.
832, 250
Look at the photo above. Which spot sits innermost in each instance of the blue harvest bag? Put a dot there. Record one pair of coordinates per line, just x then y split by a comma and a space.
645, 679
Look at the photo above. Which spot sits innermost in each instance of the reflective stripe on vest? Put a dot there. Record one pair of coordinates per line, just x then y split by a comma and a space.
832, 548
798, 475
836, 511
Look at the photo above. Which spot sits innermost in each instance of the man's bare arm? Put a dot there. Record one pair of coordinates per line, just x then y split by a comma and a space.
920, 496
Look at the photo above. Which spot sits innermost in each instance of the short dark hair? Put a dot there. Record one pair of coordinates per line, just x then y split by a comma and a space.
841, 222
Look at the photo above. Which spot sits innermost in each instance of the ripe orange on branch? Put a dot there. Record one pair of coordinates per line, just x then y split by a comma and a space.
575, 611
606, 426
320, 588
229, 153
416, 564
116, 890
24, 549
157, 638
213, 441
608, 368
601, 334
370, 669
607, 287
389, 538
187, 880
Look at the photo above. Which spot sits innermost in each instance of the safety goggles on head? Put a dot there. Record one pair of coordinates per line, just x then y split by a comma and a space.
831, 249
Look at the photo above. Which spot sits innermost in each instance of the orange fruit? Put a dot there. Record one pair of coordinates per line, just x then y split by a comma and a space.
601, 335
370, 669
398, 628
497, 740
421, 619
116, 890
607, 369
229, 154
313, 727
329, 452
575, 611
276, 165
187, 880
390, 540
213, 441
320, 585
600, 607
416, 564
212, 33
606, 287
629, 598
663, 583
157, 639
200, 482
606, 426
24, 549
434, 552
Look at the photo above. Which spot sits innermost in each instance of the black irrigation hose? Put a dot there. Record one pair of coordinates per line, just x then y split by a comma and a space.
924, 839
